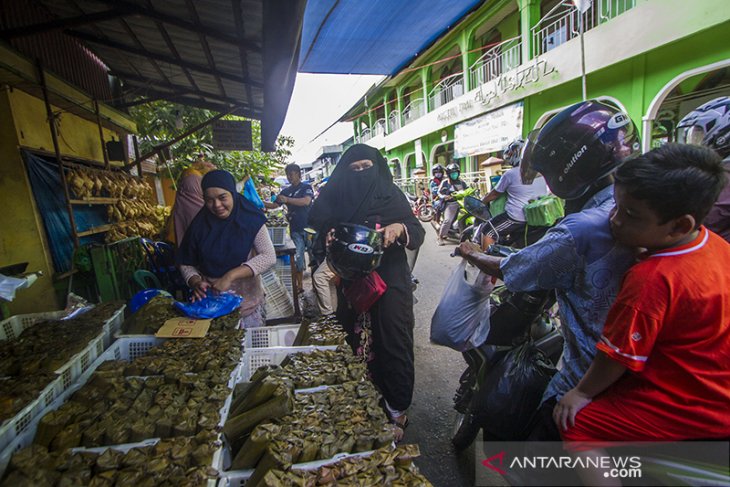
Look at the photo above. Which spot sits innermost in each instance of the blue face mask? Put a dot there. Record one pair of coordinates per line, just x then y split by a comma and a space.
454, 175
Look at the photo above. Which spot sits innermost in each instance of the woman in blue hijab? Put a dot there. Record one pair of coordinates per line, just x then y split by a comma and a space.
227, 246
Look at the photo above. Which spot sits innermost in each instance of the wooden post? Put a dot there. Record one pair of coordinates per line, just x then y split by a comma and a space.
101, 134
136, 156
57, 150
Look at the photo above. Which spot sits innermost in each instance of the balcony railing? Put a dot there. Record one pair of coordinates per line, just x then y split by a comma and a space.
563, 22
499, 59
413, 110
365, 135
393, 121
379, 127
446, 90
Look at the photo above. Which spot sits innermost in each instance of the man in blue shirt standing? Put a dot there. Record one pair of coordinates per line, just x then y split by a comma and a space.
298, 198
576, 152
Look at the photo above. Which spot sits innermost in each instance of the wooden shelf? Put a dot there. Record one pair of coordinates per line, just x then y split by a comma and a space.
95, 201
95, 230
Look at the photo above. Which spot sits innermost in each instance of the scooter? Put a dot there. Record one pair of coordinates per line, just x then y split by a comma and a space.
482, 227
521, 322
464, 219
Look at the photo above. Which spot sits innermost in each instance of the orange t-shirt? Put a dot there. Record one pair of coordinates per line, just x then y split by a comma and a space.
670, 325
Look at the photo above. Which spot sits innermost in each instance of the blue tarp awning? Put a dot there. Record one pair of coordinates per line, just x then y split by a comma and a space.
373, 36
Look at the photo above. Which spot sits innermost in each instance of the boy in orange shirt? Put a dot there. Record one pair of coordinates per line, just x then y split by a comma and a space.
663, 368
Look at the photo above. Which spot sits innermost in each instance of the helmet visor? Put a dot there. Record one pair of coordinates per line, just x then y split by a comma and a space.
694, 134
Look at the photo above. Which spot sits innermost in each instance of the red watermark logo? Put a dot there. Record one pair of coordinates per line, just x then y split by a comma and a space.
488, 462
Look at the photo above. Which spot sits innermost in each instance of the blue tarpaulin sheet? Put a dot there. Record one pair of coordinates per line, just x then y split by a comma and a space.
373, 36
51, 203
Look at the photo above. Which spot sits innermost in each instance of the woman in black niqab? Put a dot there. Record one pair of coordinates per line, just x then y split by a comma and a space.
367, 196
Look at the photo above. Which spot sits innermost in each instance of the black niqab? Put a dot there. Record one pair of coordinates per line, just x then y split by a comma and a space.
363, 197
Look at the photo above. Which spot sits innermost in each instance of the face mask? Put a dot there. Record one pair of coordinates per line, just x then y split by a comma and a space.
438, 175
454, 175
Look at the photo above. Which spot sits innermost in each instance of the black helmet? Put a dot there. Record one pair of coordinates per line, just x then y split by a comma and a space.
453, 167
708, 125
437, 168
355, 251
513, 152
580, 145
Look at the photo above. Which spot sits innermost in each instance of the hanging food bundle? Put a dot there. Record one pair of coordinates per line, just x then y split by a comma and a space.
90, 183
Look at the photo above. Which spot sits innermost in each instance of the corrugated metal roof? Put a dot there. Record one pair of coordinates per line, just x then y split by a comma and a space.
215, 54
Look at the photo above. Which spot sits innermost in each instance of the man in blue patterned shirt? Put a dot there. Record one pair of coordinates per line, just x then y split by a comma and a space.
576, 153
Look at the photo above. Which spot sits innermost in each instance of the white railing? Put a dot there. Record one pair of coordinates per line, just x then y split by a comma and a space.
499, 59
478, 179
413, 111
379, 127
393, 121
446, 90
563, 22
365, 135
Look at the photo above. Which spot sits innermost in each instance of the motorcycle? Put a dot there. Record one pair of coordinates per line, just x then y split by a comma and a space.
422, 208
523, 326
482, 227
464, 219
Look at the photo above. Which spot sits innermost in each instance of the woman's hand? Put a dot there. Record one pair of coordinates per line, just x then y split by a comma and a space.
224, 283
391, 233
199, 286
567, 408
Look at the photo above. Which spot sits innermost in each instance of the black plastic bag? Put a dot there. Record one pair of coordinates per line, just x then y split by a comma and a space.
512, 391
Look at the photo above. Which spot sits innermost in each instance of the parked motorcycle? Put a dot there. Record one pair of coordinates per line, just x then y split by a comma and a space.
507, 375
464, 219
422, 208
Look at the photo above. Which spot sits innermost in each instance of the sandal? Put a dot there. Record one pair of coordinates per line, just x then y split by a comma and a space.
399, 429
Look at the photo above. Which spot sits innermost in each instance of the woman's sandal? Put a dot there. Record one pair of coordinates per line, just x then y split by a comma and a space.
400, 428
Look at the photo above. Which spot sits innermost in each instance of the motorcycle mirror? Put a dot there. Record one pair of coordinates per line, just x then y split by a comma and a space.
476, 207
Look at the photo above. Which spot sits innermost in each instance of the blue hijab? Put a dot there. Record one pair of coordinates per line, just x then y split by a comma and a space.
215, 245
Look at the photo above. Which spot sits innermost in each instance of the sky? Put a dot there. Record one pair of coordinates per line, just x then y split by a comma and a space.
317, 102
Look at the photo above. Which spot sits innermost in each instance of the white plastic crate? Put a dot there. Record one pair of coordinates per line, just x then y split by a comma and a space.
72, 370
278, 235
271, 336
11, 328
258, 357
283, 272
279, 302
113, 325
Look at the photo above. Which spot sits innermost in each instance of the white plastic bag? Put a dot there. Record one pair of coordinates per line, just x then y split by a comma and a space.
461, 319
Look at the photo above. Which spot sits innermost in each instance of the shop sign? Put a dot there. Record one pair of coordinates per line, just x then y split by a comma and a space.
229, 135
512, 80
489, 133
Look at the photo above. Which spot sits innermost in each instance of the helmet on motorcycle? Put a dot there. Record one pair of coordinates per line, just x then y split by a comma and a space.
513, 152
437, 168
453, 168
355, 251
708, 125
580, 145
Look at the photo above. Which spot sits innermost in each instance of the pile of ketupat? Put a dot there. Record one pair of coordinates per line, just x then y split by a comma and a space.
27, 364
174, 391
176, 462
149, 318
385, 466
322, 331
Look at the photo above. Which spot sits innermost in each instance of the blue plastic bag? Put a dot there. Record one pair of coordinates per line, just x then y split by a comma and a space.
142, 297
212, 306
250, 193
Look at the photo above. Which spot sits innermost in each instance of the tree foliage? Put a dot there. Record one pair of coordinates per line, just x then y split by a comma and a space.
161, 121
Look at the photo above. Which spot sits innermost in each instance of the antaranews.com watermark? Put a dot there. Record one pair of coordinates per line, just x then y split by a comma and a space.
550, 463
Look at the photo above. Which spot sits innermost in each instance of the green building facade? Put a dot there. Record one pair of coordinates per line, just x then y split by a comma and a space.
510, 65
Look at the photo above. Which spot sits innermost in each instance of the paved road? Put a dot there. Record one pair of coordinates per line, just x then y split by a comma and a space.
437, 374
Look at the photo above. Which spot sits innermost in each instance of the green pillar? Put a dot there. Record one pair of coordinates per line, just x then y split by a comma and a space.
529, 16
464, 45
424, 87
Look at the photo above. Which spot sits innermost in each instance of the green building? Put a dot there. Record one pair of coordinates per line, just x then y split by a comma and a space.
510, 65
